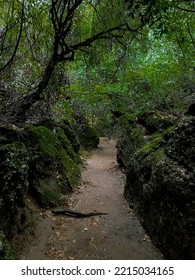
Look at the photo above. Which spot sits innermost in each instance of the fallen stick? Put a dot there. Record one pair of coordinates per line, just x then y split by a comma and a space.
74, 213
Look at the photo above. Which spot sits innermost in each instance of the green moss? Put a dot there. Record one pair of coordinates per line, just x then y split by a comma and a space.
137, 137
71, 135
152, 143
52, 157
6, 250
70, 170
130, 137
158, 155
85, 154
156, 140
160, 187
67, 145
43, 140
49, 197
158, 121
130, 117
169, 130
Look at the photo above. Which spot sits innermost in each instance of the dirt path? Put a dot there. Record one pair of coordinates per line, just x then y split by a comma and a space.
118, 235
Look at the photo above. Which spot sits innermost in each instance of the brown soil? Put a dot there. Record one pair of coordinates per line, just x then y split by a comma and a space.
116, 236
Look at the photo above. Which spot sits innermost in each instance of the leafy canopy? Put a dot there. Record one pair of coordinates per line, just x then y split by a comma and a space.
100, 56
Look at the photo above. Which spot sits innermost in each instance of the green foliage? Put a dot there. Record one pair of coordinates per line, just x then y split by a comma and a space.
155, 71
147, 63
35, 43
130, 137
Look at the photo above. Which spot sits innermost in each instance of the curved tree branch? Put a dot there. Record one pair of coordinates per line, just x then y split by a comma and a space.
64, 51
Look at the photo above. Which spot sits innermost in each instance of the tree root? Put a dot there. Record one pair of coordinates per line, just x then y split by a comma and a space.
76, 214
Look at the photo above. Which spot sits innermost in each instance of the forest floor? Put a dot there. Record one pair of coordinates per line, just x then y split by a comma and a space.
115, 236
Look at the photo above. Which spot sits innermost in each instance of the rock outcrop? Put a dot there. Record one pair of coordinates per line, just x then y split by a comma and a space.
159, 158
40, 161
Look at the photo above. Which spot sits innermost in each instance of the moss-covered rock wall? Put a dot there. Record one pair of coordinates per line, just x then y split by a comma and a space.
53, 164
37, 160
160, 183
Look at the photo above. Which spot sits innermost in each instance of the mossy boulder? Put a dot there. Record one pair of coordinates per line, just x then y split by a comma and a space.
160, 187
53, 157
87, 134
67, 128
88, 137
47, 191
136, 133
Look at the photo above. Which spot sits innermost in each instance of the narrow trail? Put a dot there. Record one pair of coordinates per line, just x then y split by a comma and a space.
116, 236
